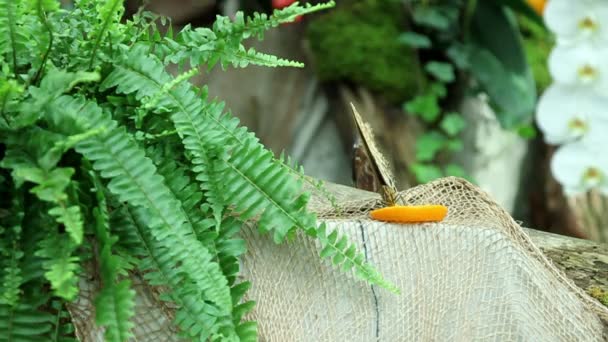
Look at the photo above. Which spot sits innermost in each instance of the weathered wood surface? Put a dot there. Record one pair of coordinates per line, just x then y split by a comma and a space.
583, 261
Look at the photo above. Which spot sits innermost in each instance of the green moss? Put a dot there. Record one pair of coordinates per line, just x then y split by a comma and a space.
358, 43
537, 45
599, 294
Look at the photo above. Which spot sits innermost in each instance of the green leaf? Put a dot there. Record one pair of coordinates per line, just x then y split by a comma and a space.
133, 178
459, 55
428, 145
60, 264
50, 185
14, 39
55, 83
71, 218
114, 306
254, 183
10, 90
430, 16
25, 322
11, 276
443, 72
455, 170
452, 124
498, 62
425, 173
109, 14
523, 7
223, 42
415, 40
438, 89
527, 131
425, 106
454, 145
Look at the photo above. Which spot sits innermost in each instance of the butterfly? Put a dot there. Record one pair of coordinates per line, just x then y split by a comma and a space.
393, 212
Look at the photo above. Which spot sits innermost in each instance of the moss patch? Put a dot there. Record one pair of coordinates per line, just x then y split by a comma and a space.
598, 294
358, 42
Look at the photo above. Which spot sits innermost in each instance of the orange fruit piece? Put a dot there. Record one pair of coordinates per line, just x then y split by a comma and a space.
410, 213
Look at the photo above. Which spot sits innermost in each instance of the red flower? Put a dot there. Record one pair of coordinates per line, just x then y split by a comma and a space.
278, 4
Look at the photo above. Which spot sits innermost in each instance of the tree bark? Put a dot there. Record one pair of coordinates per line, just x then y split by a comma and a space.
583, 261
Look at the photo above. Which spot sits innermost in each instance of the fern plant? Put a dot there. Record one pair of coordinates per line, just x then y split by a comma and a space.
107, 158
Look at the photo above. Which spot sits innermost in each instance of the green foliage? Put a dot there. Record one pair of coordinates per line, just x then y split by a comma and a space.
432, 146
223, 42
110, 160
471, 39
360, 42
537, 43
498, 62
115, 302
452, 124
415, 40
439, 18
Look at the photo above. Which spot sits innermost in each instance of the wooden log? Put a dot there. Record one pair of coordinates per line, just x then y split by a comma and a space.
584, 262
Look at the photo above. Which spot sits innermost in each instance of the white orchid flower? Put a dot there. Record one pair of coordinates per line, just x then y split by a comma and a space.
581, 65
578, 20
568, 113
580, 167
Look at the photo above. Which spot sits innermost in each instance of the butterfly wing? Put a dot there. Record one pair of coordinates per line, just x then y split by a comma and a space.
379, 163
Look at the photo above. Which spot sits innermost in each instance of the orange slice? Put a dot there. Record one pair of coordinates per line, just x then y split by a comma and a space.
410, 213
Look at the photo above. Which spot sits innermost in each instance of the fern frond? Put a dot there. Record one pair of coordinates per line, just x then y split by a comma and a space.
153, 102
24, 322
114, 305
223, 42
230, 247
190, 197
55, 83
129, 242
42, 8
254, 183
11, 278
223, 240
344, 254
71, 218
60, 264
243, 58
261, 22
9, 91
11, 273
63, 329
248, 330
109, 13
195, 317
13, 39
203, 46
51, 187
317, 184
134, 180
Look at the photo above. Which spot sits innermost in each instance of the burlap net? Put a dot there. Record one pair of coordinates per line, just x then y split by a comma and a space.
474, 277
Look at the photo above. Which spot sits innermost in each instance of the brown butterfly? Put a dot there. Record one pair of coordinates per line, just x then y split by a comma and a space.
393, 212
379, 165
